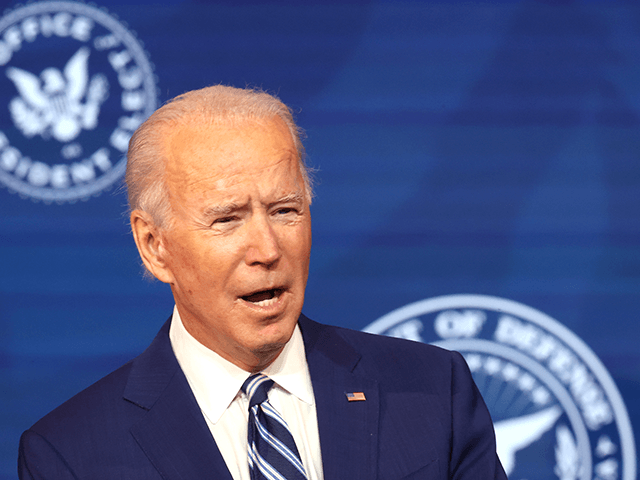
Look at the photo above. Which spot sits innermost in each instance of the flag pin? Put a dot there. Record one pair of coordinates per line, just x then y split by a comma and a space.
356, 397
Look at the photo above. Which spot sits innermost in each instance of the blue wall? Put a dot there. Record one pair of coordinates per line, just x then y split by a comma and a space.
461, 147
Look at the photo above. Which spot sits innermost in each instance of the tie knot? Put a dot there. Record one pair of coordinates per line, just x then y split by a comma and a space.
256, 387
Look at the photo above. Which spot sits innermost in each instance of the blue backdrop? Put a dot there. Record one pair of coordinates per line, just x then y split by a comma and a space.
461, 148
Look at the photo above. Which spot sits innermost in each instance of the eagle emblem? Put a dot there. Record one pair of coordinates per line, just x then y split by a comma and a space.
58, 104
557, 412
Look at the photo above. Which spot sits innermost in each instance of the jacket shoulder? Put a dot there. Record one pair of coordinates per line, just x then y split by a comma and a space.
392, 361
99, 400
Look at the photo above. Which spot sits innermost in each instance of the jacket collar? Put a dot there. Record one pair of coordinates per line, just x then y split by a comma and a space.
348, 429
173, 433
175, 436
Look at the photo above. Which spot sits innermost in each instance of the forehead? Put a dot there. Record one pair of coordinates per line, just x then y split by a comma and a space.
222, 142
212, 154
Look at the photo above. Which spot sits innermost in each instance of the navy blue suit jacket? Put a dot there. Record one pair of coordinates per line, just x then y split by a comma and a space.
423, 417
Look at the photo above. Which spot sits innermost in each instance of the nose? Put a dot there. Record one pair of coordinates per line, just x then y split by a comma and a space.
263, 245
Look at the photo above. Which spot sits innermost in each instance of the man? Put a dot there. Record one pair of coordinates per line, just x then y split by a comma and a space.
219, 198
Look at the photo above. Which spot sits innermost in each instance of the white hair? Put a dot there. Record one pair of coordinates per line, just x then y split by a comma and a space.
146, 187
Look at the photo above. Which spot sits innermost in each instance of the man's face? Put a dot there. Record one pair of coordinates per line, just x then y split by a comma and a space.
237, 248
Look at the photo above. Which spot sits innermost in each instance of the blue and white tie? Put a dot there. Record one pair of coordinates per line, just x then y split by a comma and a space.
272, 451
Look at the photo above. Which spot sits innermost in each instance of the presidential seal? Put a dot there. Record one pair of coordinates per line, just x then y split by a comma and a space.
556, 409
76, 84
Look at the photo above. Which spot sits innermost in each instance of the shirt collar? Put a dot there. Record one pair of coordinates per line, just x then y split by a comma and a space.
216, 382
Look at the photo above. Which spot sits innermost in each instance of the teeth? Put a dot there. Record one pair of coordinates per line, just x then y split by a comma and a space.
267, 302
264, 298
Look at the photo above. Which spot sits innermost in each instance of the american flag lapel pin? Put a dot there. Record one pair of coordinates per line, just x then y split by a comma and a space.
355, 396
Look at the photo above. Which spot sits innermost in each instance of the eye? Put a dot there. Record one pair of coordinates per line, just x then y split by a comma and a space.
285, 210
286, 213
223, 220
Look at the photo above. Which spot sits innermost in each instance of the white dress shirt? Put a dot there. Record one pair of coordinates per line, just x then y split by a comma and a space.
216, 383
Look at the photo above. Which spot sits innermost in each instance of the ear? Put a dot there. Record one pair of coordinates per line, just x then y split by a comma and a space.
150, 245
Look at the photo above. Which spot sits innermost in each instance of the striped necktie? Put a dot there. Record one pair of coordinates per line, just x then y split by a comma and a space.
272, 451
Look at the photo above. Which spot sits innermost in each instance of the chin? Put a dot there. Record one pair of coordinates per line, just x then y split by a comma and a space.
274, 337
266, 354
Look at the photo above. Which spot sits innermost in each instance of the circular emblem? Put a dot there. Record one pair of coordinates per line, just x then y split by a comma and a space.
76, 84
556, 410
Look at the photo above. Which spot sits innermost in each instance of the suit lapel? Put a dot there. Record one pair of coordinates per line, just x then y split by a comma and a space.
348, 430
173, 433
176, 439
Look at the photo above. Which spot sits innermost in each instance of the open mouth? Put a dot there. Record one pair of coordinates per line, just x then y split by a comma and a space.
264, 298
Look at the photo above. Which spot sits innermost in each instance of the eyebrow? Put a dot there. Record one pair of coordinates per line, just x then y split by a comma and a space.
228, 208
294, 197
222, 210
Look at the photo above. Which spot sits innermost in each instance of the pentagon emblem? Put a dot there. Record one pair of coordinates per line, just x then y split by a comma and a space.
556, 410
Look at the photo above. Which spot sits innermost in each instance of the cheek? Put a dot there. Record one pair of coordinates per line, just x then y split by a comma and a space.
185, 260
305, 240
206, 263
300, 247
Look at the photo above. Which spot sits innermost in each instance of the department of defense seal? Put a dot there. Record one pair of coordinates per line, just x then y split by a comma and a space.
556, 409
76, 84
